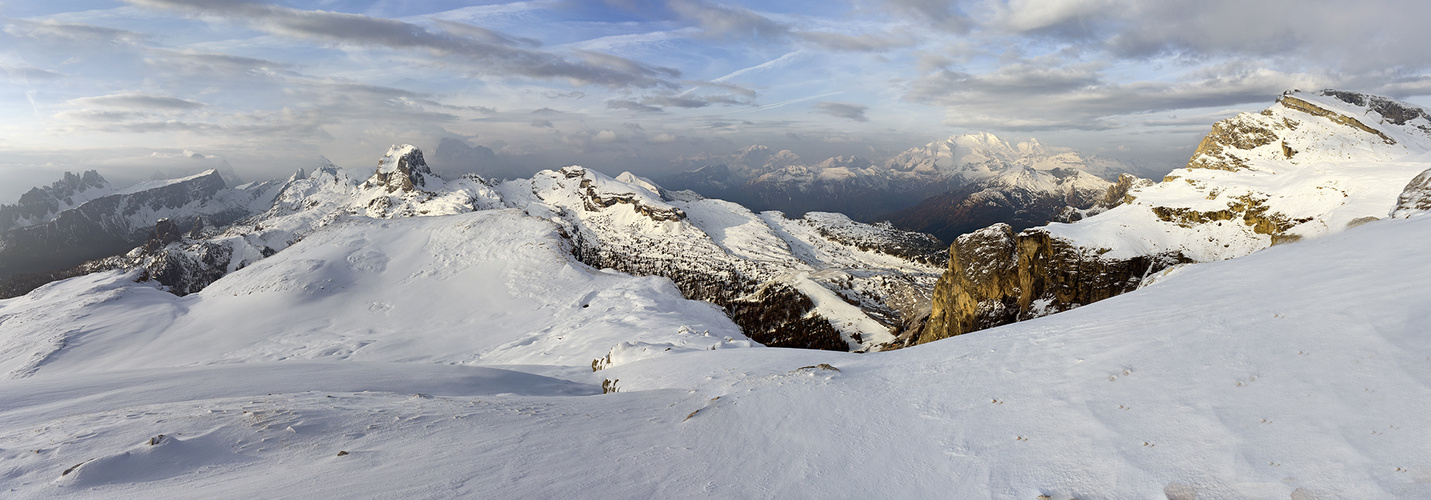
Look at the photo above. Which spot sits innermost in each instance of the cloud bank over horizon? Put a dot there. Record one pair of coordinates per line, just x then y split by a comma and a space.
268, 87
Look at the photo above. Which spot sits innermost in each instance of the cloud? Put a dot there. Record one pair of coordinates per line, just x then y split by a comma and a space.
552, 94
51, 30
845, 110
210, 65
25, 73
137, 101
485, 50
855, 43
942, 14
631, 105
721, 21
736, 23
96, 115
1319, 31
1081, 97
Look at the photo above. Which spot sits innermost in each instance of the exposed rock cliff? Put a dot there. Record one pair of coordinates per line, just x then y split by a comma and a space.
996, 277
1311, 164
822, 281
1415, 199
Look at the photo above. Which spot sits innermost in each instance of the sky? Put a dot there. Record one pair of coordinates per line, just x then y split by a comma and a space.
139, 88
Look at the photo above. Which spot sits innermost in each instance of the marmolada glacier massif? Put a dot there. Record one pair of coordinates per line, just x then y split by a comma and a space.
971, 313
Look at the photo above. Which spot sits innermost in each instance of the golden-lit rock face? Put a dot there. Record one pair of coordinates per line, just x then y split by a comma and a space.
1255, 180
1241, 132
996, 277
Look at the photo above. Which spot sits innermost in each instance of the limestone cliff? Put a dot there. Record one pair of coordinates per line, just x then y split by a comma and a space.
1415, 199
1311, 164
996, 277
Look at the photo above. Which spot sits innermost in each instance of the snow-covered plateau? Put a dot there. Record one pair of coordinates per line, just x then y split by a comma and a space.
391, 333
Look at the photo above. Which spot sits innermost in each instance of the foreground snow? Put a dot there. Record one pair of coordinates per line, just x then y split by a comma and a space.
1298, 371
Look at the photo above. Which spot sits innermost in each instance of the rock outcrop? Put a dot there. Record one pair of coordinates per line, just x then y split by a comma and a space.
1415, 199
1311, 164
996, 277
403, 169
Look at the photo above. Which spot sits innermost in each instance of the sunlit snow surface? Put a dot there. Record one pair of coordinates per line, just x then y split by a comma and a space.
1335, 176
451, 356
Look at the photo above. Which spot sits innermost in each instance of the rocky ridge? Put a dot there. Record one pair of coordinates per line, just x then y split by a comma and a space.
1311, 164
43, 203
822, 281
118, 220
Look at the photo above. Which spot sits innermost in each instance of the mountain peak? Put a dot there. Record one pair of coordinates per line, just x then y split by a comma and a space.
402, 168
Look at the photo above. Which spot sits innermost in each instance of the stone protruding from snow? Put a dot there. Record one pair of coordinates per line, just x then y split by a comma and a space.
165, 232
402, 168
1415, 199
1312, 164
996, 277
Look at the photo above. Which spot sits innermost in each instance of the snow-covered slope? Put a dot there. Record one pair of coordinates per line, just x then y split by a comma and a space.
1298, 372
1312, 164
1309, 165
367, 290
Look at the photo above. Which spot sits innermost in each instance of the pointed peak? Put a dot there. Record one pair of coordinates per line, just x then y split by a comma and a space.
402, 168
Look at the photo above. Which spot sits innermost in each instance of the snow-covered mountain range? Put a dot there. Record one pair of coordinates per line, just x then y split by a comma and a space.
391, 333
821, 281
987, 176
1310, 165
467, 355
82, 217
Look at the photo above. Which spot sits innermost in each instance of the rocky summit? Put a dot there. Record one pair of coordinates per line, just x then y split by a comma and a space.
1312, 164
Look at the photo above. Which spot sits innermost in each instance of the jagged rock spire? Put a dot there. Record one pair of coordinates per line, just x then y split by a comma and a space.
402, 169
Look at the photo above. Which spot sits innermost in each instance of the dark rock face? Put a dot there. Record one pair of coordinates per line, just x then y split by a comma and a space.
403, 169
185, 270
996, 277
1389, 110
773, 314
42, 202
165, 232
102, 227
776, 315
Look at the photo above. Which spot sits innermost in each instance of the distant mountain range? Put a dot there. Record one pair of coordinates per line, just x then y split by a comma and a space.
946, 187
83, 217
